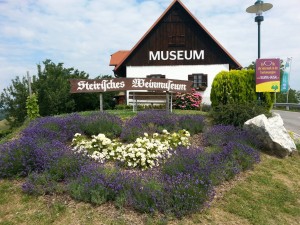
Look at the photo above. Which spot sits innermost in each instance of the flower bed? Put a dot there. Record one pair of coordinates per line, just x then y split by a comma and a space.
181, 181
144, 153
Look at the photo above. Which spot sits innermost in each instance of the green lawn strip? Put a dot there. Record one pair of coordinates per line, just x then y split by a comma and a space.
270, 195
4, 125
19, 208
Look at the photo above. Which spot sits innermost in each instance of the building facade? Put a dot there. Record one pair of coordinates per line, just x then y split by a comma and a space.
177, 46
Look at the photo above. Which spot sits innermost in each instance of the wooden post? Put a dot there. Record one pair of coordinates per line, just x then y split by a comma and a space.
29, 83
167, 101
171, 103
133, 102
101, 102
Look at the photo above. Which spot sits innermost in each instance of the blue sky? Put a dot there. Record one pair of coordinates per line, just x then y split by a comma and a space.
84, 33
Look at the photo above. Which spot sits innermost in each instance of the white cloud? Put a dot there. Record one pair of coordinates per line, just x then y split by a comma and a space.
84, 33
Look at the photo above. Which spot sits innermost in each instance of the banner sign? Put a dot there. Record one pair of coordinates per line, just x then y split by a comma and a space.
267, 75
285, 77
127, 84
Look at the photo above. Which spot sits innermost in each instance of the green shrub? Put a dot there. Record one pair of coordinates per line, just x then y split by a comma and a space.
234, 98
237, 113
123, 107
237, 86
32, 106
205, 107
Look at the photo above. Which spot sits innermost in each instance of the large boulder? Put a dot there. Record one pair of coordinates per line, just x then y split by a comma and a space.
272, 133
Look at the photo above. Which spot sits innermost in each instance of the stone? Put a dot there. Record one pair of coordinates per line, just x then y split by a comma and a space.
272, 133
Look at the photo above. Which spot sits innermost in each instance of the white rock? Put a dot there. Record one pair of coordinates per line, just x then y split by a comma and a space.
272, 133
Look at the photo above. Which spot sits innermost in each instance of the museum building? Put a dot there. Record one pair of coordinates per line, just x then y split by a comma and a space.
177, 46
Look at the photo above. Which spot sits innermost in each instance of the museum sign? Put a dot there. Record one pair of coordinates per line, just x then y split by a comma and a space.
127, 84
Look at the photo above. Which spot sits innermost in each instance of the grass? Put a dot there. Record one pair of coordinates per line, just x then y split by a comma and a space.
4, 125
125, 114
267, 195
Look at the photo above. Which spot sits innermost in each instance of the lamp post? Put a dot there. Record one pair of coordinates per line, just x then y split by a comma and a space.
258, 8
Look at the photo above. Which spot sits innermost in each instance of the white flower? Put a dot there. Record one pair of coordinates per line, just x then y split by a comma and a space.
165, 131
106, 141
155, 135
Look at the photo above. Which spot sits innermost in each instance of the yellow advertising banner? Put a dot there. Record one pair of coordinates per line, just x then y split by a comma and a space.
267, 75
272, 86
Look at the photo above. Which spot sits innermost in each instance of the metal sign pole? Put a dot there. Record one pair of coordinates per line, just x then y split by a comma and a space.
101, 102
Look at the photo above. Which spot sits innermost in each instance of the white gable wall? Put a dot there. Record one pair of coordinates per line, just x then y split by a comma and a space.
179, 73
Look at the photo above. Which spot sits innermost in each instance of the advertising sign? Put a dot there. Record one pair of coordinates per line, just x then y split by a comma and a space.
123, 84
285, 77
268, 75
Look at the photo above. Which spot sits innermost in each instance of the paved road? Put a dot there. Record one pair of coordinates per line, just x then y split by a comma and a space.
291, 120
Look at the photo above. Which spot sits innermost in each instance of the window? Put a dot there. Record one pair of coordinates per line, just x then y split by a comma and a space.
156, 76
199, 81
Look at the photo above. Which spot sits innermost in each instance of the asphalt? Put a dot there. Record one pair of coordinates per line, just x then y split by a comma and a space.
291, 120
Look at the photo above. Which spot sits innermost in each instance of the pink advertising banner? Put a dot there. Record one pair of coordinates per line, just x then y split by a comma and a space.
268, 75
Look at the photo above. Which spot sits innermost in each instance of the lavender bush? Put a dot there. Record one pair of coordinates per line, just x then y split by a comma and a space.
101, 122
16, 157
39, 147
96, 184
221, 134
181, 185
54, 128
39, 184
229, 160
155, 121
144, 193
193, 123
150, 122
185, 194
179, 194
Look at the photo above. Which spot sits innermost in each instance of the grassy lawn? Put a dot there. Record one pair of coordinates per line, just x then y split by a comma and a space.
270, 194
3, 125
125, 114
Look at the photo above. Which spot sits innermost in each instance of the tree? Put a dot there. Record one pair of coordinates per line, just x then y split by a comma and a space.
13, 101
53, 89
294, 97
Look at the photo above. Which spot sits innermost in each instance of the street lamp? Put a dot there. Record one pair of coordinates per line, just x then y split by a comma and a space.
258, 8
